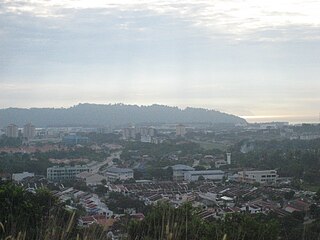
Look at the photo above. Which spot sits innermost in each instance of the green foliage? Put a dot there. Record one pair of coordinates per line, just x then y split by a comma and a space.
117, 202
76, 153
10, 142
165, 222
199, 168
317, 196
21, 210
101, 190
312, 231
289, 195
315, 211
292, 158
19, 162
39, 216
201, 178
159, 150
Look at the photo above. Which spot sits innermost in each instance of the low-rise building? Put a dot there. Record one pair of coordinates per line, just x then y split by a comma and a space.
263, 176
179, 170
57, 173
91, 179
5, 177
206, 174
20, 176
220, 163
115, 173
74, 140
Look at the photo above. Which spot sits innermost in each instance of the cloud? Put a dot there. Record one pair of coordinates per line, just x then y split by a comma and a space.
240, 56
232, 19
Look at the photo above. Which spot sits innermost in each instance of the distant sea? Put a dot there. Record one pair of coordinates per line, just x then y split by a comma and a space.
283, 118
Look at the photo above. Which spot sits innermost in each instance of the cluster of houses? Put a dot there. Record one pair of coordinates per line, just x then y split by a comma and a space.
217, 200
214, 199
96, 210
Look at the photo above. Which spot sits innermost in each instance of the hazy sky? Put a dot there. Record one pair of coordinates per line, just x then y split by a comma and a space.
247, 57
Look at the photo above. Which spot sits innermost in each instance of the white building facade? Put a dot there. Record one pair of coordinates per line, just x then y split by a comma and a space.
216, 175
263, 177
57, 173
114, 174
29, 131
180, 130
20, 176
12, 131
179, 170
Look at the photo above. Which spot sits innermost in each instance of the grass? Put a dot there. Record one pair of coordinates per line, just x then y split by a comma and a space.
56, 229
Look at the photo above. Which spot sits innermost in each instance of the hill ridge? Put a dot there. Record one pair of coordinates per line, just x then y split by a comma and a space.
89, 114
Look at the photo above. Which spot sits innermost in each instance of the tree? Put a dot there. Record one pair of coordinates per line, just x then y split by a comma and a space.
201, 178
199, 168
166, 222
289, 195
104, 182
36, 216
315, 211
317, 196
101, 190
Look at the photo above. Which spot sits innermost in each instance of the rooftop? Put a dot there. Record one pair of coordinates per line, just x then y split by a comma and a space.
119, 170
182, 167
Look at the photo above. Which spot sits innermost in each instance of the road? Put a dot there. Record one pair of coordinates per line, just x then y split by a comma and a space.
95, 168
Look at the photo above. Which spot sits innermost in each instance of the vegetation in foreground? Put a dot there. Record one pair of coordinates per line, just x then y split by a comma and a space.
38, 216
25, 215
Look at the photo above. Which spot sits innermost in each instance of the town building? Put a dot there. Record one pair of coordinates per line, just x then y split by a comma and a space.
5, 177
114, 174
20, 176
180, 130
179, 170
29, 131
264, 176
146, 139
74, 140
129, 133
221, 162
12, 131
57, 173
228, 158
91, 179
148, 131
206, 174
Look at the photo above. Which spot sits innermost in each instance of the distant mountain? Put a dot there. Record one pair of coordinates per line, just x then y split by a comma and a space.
112, 114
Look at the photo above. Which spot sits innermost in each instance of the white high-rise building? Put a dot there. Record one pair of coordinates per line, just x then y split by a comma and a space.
29, 131
129, 133
180, 130
12, 131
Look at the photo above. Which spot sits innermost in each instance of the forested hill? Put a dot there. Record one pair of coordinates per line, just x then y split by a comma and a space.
112, 114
